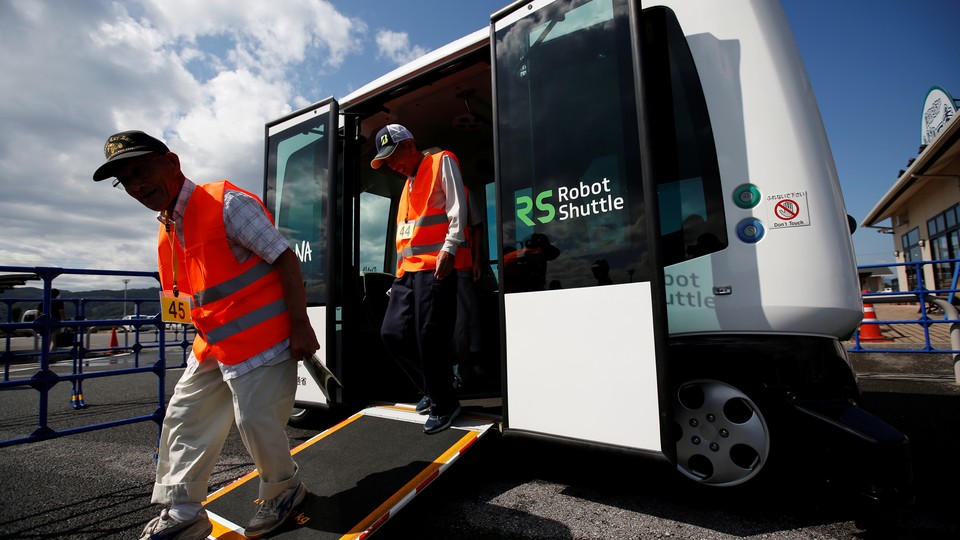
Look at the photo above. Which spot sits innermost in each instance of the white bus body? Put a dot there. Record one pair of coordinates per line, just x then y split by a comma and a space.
703, 328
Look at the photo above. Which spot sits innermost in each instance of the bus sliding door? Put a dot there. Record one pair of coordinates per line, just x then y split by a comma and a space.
298, 191
583, 309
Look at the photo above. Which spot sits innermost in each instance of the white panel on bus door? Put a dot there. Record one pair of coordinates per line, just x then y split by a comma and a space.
299, 156
581, 364
308, 391
584, 315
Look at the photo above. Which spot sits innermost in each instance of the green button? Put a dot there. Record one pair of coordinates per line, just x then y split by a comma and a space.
746, 196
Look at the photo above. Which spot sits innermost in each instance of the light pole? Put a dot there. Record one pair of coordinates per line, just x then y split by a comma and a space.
125, 281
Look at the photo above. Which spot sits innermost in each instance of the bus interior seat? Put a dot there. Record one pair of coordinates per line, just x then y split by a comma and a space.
375, 287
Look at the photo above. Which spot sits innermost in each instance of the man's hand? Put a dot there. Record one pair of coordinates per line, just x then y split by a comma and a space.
303, 340
444, 265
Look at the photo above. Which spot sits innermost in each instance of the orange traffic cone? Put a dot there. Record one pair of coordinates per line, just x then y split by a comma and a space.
869, 328
114, 343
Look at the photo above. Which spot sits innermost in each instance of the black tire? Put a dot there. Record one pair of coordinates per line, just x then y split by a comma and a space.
301, 418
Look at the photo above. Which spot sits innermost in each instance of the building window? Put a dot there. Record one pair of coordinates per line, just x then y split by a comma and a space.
911, 252
944, 232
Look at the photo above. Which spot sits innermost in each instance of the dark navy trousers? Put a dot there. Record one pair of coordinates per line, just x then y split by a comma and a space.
418, 329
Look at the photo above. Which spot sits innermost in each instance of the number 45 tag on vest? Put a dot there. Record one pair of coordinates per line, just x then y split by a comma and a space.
175, 309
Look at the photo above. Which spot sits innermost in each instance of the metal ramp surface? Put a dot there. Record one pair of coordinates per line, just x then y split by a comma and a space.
359, 473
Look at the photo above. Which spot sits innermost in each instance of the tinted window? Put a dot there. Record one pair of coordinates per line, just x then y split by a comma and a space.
296, 194
692, 221
571, 193
374, 223
570, 151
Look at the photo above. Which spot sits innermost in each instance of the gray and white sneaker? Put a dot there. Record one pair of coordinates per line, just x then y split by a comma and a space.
167, 528
423, 406
273, 513
438, 422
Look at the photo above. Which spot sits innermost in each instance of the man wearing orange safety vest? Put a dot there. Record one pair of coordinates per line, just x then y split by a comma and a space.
222, 261
431, 230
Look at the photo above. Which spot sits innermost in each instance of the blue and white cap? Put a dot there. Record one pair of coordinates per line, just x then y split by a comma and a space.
387, 139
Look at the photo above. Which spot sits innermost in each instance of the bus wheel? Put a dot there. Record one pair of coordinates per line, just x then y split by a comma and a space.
722, 437
301, 417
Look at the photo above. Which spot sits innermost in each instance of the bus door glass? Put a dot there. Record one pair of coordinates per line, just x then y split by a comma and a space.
582, 326
298, 161
296, 191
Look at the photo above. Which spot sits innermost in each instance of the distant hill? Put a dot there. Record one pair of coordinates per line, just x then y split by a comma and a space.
96, 304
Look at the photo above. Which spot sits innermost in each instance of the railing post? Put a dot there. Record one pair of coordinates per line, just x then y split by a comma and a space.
951, 311
933, 295
45, 378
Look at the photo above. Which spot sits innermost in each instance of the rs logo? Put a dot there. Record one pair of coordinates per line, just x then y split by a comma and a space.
525, 208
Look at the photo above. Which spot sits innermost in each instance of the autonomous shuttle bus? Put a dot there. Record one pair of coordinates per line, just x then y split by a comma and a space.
668, 263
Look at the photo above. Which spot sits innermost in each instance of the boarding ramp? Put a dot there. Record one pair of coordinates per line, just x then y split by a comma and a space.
359, 473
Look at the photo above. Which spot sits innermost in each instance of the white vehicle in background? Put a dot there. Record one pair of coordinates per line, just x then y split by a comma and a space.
143, 327
672, 268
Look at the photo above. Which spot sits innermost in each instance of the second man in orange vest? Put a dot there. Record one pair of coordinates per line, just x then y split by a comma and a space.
431, 231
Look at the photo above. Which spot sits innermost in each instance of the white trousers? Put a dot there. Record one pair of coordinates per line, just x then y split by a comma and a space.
198, 420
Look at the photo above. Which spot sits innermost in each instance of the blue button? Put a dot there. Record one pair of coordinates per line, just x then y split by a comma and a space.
750, 230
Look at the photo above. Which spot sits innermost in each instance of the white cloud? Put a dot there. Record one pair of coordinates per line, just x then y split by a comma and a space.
395, 47
203, 76
265, 34
226, 127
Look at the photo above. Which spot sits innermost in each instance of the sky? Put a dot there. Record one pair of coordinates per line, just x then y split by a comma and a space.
206, 76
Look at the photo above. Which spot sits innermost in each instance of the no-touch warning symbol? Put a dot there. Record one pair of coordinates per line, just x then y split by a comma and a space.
787, 209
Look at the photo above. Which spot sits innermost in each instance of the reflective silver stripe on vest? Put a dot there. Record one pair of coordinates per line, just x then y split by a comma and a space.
435, 219
424, 221
230, 286
255, 317
410, 251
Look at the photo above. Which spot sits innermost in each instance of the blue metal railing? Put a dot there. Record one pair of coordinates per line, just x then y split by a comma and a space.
80, 349
940, 299
80, 352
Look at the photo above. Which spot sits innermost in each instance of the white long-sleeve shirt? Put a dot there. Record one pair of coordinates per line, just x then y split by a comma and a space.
449, 192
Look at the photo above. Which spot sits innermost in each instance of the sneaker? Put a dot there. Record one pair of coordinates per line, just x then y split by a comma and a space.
167, 528
436, 423
423, 407
274, 512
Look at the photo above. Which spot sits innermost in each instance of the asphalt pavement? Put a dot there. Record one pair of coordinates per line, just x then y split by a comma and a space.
98, 484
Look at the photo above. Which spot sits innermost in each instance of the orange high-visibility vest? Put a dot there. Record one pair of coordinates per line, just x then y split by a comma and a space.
421, 231
238, 308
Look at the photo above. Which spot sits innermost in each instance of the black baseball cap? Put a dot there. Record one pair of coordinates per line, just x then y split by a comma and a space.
387, 140
127, 144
